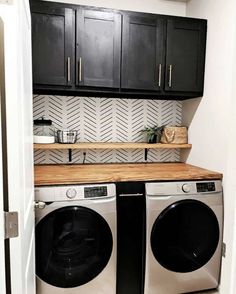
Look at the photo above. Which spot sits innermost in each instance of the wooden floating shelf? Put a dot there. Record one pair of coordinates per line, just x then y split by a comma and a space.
112, 146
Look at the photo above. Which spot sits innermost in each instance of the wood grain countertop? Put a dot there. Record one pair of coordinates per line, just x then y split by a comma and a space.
107, 173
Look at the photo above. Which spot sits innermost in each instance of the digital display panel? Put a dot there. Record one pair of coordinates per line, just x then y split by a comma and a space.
206, 187
93, 192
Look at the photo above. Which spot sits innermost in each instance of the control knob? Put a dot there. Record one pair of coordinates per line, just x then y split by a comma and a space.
71, 193
186, 188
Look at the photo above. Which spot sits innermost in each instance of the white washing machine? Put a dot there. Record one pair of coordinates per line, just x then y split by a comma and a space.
76, 239
184, 236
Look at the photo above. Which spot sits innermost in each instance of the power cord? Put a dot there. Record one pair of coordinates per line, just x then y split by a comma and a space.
84, 157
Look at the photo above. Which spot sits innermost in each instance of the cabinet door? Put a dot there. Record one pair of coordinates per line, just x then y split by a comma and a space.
53, 45
98, 48
142, 52
185, 55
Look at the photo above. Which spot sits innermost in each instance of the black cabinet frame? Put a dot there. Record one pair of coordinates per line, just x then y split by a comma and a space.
157, 83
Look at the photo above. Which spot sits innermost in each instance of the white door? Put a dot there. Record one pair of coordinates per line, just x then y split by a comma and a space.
2, 245
18, 93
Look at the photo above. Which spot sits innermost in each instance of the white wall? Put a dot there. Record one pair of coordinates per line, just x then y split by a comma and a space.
230, 190
211, 120
152, 6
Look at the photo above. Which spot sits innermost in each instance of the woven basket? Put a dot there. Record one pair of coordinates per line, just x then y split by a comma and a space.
174, 135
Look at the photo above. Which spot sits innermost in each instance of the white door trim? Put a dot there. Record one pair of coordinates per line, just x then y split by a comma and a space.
2, 230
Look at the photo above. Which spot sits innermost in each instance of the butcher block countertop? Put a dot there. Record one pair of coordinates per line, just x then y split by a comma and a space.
107, 173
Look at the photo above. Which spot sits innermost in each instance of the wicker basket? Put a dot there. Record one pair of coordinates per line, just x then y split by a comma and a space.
174, 135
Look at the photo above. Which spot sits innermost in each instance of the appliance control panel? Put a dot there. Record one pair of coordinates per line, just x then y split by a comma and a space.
74, 192
180, 188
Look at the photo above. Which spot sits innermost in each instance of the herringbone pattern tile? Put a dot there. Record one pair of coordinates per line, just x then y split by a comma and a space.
73, 114
122, 120
138, 115
106, 120
154, 114
40, 156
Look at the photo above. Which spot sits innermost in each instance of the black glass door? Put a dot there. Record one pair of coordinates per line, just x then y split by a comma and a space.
185, 236
73, 245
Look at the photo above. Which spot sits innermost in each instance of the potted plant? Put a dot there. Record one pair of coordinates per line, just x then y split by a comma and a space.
153, 134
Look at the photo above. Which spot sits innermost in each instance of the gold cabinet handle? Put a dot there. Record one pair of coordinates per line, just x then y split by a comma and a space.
170, 75
68, 70
159, 75
80, 69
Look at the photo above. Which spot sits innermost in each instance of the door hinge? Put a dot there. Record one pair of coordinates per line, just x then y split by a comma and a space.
223, 249
11, 224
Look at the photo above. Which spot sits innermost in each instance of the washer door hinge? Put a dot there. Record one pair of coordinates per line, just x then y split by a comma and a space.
223, 249
11, 224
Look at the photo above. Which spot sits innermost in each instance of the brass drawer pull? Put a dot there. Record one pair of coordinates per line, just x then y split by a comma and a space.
170, 75
68, 70
80, 69
159, 75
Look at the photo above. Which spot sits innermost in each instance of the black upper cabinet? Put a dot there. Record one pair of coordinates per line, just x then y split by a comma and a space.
53, 45
98, 48
163, 54
142, 52
84, 50
185, 55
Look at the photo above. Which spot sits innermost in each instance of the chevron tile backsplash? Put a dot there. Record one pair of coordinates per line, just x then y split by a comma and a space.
106, 120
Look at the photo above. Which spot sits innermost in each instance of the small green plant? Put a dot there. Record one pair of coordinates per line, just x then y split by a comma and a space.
153, 133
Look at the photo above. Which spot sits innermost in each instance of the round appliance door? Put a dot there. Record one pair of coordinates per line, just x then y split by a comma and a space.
73, 245
185, 236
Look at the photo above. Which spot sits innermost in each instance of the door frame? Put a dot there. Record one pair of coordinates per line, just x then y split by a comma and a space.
18, 165
4, 205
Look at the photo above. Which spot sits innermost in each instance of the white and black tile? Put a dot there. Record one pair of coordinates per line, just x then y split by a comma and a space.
106, 120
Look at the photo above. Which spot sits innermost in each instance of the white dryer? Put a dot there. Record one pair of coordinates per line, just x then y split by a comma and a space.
184, 236
76, 239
